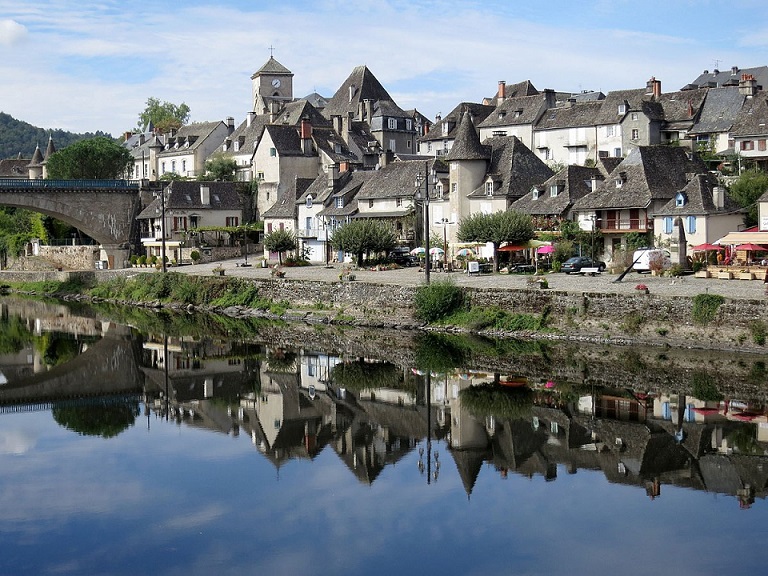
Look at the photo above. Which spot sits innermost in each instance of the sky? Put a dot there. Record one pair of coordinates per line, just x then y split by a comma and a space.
92, 64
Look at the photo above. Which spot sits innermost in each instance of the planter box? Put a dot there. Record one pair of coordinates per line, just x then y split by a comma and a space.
702, 274
723, 275
746, 276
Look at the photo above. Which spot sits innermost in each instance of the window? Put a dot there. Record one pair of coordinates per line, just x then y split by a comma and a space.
173, 165
535, 193
680, 199
633, 116
549, 154
439, 191
691, 224
610, 131
454, 165
237, 145
489, 188
398, 202
622, 109
309, 201
617, 152
635, 133
747, 145
619, 182
454, 188
408, 124
392, 123
269, 228
553, 190
162, 167
761, 145
273, 152
668, 225
232, 221
408, 144
392, 144
339, 202
260, 175
183, 166
193, 221
179, 223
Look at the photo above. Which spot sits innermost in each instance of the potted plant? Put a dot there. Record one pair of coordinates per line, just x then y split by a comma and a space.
195, 256
642, 288
218, 270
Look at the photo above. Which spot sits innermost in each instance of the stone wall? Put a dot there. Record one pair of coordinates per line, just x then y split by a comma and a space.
71, 257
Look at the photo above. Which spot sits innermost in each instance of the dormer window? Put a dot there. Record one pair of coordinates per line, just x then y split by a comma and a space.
680, 199
489, 188
518, 113
339, 202
502, 114
409, 124
553, 190
309, 201
337, 148
439, 191
619, 182
237, 146
535, 193
446, 128
622, 108
392, 123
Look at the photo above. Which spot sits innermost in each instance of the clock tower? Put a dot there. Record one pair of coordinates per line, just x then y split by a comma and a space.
273, 82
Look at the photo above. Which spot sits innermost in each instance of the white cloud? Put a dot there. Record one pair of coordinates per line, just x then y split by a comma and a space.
16, 442
11, 32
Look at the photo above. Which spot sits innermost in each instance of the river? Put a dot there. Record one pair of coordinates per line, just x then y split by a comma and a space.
135, 442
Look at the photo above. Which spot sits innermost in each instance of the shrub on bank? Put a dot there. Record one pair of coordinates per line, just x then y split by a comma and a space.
705, 307
437, 300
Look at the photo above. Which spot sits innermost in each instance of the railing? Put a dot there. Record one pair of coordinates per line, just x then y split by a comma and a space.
308, 232
625, 225
40, 184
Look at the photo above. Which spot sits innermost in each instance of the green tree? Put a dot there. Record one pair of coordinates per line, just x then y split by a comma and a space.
746, 190
17, 227
164, 116
280, 241
219, 167
103, 419
362, 237
503, 226
95, 158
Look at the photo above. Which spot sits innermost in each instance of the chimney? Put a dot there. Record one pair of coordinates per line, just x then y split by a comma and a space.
386, 158
438, 118
205, 195
250, 118
127, 135
594, 182
502, 90
230, 125
336, 121
333, 175
273, 111
747, 85
718, 196
305, 132
142, 139
346, 126
550, 99
368, 110
734, 70
653, 88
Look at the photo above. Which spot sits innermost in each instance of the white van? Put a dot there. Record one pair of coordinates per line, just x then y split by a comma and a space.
642, 259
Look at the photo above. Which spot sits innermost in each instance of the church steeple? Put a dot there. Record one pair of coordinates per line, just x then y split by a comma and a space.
272, 87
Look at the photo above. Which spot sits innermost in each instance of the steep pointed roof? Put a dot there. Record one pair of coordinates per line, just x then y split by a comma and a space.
514, 168
467, 142
272, 66
360, 85
37, 157
446, 128
50, 149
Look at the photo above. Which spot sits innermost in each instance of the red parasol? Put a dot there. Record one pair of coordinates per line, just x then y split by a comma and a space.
509, 248
706, 247
749, 247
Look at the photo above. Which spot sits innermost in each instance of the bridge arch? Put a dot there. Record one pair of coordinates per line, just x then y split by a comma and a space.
106, 210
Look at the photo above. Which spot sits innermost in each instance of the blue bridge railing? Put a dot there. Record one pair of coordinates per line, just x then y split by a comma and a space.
41, 184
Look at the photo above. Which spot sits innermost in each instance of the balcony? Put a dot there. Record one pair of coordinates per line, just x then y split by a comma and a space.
624, 225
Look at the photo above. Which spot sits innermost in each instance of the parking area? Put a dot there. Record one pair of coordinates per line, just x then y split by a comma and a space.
602, 283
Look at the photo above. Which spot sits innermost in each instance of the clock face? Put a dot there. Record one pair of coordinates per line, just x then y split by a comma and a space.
276, 83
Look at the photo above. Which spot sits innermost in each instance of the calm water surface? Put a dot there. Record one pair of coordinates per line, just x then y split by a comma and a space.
203, 455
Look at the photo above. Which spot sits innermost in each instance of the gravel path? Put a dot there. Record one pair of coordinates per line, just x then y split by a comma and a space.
606, 283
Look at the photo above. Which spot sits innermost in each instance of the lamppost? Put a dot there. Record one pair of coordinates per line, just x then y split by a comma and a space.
162, 229
445, 222
425, 179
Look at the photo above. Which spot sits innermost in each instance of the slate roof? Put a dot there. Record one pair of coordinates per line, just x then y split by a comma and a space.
285, 139
285, 207
681, 109
347, 186
395, 180
698, 193
731, 77
272, 66
364, 86
753, 117
326, 140
14, 168
185, 195
516, 111
194, 133
248, 135
514, 168
293, 112
524, 88
609, 111
576, 182
571, 115
649, 173
467, 142
480, 113
316, 100
719, 112
37, 157
50, 148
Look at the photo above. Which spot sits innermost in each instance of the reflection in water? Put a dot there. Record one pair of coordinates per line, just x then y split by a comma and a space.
522, 408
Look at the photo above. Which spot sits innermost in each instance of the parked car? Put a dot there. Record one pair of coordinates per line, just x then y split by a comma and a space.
402, 257
642, 259
576, 263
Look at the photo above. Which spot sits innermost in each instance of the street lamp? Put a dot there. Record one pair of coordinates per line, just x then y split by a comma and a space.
162, 229
425, 179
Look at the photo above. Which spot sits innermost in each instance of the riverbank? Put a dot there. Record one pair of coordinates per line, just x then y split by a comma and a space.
595, 309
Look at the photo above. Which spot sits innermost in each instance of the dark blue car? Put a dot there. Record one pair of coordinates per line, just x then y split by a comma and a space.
575, 264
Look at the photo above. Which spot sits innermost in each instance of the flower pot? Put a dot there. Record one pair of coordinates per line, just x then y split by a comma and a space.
746, 276
725, 275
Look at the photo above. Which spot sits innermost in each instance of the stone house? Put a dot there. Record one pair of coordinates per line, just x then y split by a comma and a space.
185, 150
568, 134
749, 132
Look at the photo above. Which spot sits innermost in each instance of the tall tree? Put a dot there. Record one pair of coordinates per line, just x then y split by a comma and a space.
504, 226
163, 115
746, 190
364, 236
95, 158
219, 167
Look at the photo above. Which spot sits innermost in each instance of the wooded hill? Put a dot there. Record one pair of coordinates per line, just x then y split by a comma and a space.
20, 137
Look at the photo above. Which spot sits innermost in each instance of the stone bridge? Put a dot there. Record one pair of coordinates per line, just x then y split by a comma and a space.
105, 210
109, 366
